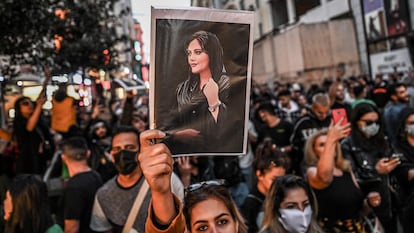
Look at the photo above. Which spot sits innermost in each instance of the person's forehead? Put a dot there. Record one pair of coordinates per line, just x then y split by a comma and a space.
125, 138
321, 108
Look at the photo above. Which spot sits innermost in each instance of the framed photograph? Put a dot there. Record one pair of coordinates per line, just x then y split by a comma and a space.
200, 75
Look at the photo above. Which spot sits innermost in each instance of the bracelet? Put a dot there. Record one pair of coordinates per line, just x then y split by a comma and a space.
214, 107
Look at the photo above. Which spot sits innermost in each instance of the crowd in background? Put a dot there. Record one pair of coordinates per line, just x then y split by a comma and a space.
353, 171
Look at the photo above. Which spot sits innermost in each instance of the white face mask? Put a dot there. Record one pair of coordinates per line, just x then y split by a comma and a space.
371, 130
410, 130
294, 220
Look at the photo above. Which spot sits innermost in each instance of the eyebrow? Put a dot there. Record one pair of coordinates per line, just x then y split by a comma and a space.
217, 217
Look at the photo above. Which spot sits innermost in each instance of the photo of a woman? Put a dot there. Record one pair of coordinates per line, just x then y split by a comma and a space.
203, 96
200, 84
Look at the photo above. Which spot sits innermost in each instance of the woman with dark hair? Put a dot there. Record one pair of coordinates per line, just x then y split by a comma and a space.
26, 208
368, 151
202, 98
290, 207
404, 172
268, 165
208, 207
28, 124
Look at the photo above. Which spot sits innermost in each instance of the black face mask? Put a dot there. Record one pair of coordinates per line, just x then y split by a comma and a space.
125, 161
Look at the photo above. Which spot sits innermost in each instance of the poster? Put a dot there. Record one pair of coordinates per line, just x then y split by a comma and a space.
200, 75
375, 25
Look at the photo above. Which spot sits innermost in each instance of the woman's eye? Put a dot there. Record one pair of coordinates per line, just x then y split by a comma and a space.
198, 52
290, 207
202, 228
222, 222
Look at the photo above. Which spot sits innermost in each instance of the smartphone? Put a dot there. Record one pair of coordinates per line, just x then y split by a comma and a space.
396, 156
338, 114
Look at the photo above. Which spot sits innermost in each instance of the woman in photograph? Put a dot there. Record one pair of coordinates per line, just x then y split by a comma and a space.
290, 207
202, 98
26, 207
208, 207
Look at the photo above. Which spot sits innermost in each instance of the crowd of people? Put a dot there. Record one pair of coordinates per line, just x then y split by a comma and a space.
305, 169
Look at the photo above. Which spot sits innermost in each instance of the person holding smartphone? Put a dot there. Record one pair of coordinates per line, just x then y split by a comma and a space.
368, 150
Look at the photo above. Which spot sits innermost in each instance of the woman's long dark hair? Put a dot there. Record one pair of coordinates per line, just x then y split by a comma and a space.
377, 142
30, 206
210, 44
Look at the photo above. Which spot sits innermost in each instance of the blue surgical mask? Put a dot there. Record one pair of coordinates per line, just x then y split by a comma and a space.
294, 220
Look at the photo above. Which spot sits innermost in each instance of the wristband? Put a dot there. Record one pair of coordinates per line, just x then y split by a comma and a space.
214, 107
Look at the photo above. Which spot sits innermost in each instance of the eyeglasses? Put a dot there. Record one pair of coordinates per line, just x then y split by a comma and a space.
369, 122
196, 186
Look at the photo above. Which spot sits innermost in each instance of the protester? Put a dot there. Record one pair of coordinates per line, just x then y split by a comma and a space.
287, 109
318, 118
63, 118
98, 135
275, 128
290, 207
399, 99
337, 98
208, 206
114, 200
29, 124
369, 152
80, 189
26, 207
404, 172
340, 199
269, 164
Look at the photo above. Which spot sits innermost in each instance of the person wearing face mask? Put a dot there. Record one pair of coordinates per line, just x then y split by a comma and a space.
404, 172
113, 201
290, 207
368, 150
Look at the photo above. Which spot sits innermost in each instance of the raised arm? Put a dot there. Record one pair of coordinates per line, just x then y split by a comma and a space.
322, 175
156, 164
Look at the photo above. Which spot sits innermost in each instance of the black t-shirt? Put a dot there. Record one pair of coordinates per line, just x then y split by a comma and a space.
280, 134
252, 206
79, 196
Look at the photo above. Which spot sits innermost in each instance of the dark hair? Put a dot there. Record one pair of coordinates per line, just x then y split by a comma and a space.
92, 126
284, 93
76, 148
127, 129
392, 88
277, 193
403, 116
30, 205
218, 192
376, 142
267, 156
17, 109
267, 107
358, 89
212, 46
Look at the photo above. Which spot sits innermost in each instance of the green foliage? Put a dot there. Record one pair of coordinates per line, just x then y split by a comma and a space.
28, 29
